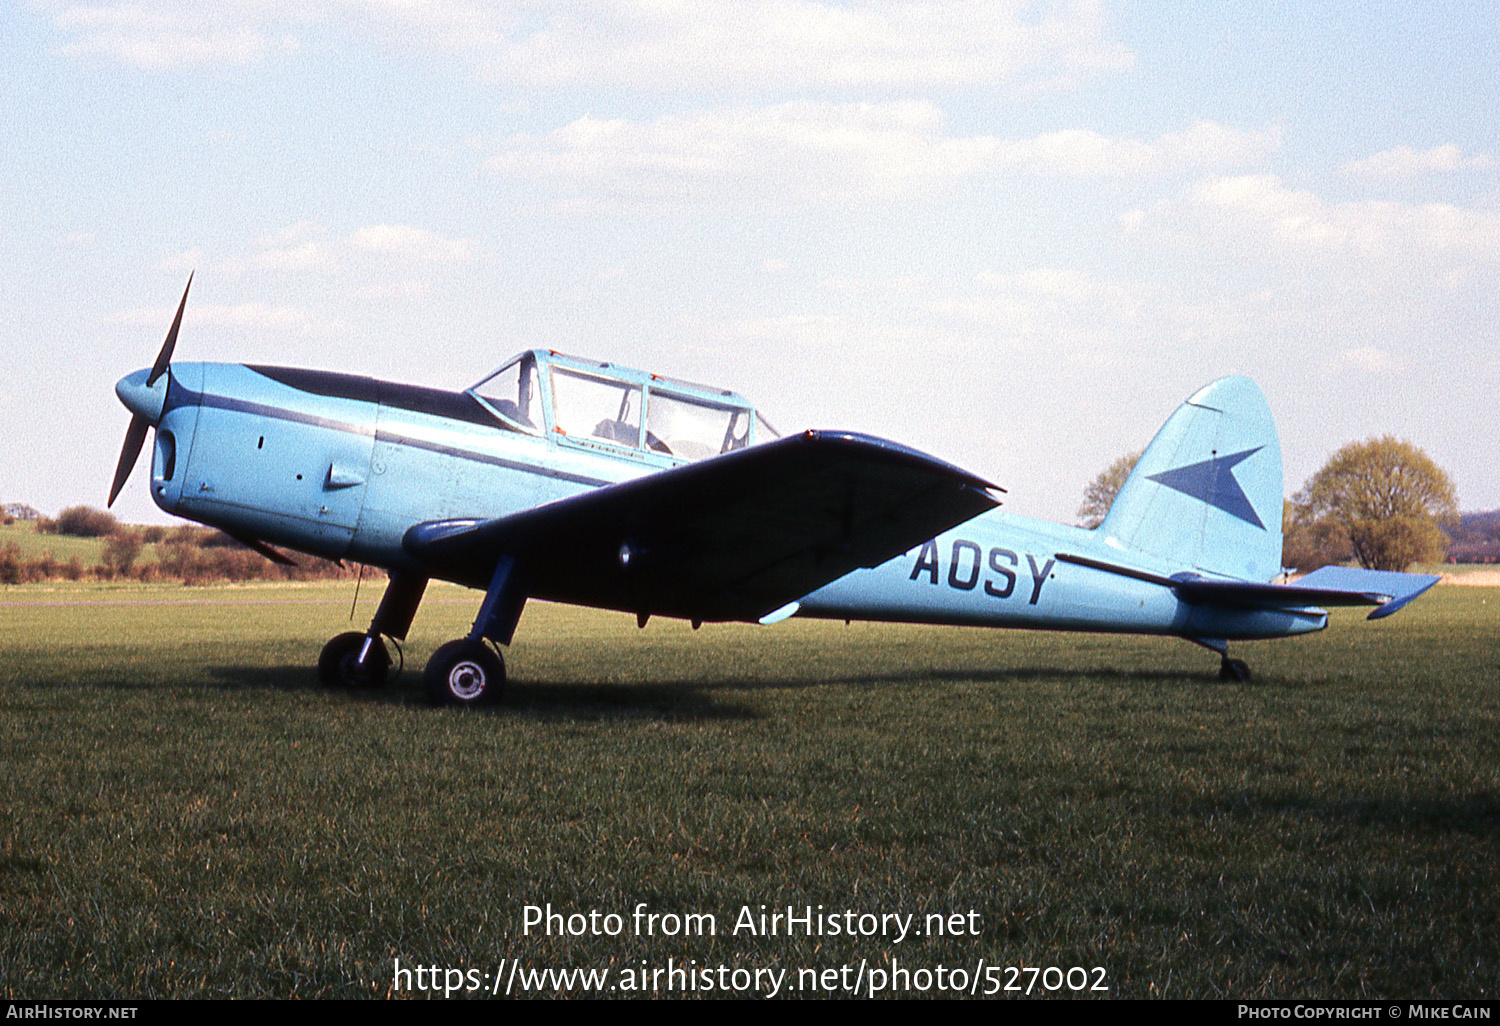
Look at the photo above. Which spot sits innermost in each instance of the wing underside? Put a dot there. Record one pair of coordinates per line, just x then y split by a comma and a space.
732, 538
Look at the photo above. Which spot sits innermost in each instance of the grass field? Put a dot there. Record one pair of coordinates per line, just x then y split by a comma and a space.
185, 812
63, 547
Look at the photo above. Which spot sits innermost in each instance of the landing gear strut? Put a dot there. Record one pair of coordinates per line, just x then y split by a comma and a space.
355, 660
468, 673
1236, 670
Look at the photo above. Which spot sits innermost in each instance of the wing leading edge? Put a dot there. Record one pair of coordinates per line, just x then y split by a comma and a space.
731, 538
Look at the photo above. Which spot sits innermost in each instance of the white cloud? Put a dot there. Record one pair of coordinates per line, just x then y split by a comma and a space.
842, 152
1367, 359
1066, 316
244, 317
801, 149
1079, 153
376, 264
1063, 287
292, 235
796, 44
1062, 315
408, 243
665, 45
1405, 162
158, 34
289, 320
307, 256
186, 262
404, 291
306, 247
1264, 211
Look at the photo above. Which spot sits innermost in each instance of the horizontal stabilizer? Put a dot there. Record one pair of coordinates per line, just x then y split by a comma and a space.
1330, 586
1398, 587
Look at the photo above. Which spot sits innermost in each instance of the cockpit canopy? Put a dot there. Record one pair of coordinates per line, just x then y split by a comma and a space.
611, 408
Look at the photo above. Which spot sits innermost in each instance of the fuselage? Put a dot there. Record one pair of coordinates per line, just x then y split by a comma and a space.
342, 467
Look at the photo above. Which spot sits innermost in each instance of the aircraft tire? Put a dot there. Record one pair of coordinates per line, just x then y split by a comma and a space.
1234, 670
465, 674
337, 666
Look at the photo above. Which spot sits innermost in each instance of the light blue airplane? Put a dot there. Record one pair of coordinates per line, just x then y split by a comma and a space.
576, 481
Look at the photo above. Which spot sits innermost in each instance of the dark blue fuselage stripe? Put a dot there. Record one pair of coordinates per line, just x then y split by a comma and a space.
494, 461
181, 396
220, 402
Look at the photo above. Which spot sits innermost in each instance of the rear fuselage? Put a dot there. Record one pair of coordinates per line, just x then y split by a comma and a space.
1001, 570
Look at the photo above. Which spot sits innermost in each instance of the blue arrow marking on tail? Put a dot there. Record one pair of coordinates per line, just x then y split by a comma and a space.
1213, 482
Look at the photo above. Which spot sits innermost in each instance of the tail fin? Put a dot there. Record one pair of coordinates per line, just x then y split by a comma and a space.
1206, 494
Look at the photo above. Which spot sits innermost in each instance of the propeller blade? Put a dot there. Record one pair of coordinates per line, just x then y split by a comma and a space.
164, 358
135, 435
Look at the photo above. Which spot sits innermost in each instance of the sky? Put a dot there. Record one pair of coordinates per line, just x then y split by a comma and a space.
1013, 235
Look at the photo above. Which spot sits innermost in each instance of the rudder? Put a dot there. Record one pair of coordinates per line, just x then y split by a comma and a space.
1206, 493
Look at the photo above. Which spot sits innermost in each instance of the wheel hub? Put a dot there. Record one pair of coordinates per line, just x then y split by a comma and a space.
466, 680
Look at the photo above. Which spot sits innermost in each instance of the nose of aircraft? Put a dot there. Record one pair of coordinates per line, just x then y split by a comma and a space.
143, 400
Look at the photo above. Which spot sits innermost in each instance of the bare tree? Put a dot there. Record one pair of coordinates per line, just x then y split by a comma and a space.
1101, 492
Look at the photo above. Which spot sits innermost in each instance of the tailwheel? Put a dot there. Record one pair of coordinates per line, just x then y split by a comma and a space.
1234, 669
339, 665
466, 673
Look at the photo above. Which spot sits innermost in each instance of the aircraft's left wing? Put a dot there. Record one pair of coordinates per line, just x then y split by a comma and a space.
731, 538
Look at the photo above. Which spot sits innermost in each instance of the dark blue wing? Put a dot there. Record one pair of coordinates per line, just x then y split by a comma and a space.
731, 538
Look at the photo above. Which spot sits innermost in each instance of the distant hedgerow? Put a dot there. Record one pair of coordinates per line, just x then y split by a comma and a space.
86, 522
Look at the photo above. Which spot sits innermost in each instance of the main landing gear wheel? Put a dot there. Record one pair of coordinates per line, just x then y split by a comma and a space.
339, 666
466, 673
1234, 669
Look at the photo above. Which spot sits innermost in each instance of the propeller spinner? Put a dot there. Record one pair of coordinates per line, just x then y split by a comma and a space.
145, 398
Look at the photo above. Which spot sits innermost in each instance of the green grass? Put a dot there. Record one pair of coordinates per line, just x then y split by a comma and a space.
185, 812
34, 544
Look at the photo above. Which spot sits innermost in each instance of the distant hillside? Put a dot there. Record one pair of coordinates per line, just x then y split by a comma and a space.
1476, 538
